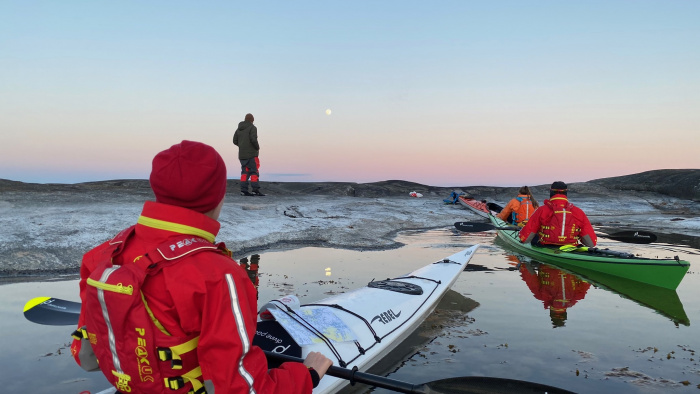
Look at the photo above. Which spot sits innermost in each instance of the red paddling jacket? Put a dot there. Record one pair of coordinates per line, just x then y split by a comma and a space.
555, 288
558, 222
204, 295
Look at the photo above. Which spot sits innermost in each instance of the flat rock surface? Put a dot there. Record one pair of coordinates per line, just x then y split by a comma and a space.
45, 228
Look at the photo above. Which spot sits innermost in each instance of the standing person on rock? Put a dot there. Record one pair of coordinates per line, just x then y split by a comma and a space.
165, 309
246, 139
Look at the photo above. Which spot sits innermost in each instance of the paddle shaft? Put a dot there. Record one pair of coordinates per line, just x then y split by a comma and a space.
632, 236
461, 385
357, 376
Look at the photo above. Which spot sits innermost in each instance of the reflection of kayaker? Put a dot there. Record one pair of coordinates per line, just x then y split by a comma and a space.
557, 289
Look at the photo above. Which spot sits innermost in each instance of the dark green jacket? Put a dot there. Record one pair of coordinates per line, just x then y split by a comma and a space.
246, 139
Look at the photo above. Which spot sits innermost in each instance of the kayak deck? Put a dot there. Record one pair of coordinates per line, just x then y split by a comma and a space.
358, 328
666, 273
478, 207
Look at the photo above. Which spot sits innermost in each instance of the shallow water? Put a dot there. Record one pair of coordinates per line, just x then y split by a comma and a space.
605, 343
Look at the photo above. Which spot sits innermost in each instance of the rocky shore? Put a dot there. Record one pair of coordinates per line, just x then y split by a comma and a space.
45, 228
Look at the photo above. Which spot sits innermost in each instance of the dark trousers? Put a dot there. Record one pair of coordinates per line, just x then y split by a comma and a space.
249, 171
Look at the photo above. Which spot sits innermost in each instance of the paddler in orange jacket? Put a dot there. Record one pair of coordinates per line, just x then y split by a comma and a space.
204, 297
558, 222
519, 210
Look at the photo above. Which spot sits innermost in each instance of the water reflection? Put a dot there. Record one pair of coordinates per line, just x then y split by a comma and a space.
560, 289
251, 268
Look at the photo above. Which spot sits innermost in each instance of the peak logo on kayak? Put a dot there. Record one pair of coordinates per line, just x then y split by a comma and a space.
386, 317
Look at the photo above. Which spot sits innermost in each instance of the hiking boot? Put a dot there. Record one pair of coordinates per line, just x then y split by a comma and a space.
257, 193
246, 193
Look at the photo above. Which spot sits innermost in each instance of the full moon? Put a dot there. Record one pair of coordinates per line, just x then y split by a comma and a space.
328, 111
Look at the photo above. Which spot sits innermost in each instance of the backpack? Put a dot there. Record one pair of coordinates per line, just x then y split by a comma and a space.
135, 353
524, 211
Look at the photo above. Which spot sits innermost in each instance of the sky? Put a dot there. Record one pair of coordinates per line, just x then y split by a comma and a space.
447, 93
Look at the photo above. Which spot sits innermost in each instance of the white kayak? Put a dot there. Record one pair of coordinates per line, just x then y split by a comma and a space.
358, 328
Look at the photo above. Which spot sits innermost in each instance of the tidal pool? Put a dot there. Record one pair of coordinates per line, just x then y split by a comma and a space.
503, 318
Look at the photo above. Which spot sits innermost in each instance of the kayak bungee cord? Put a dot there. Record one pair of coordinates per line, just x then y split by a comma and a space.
292, 314
336, 306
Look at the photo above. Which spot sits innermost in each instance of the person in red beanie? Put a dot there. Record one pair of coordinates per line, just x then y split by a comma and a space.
165, 309
558, 222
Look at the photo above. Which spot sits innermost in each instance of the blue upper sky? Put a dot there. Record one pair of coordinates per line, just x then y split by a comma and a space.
442, 93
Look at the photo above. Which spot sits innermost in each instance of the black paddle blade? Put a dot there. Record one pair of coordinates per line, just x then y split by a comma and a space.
485, 385
473, 227
52, 311
633, 237
476, 227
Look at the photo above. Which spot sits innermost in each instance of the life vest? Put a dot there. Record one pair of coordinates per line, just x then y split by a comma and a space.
559, 225
524, 211
135, 352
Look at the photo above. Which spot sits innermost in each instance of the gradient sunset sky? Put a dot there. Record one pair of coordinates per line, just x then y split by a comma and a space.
444, 93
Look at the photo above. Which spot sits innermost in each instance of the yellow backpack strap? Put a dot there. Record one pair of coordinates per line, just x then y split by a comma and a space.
152, 316
178, 382
173, 353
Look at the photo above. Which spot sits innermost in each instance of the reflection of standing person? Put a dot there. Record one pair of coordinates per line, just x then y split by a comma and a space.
163, 289
520, 209
557, 290
558, 222
246, 139
252, 270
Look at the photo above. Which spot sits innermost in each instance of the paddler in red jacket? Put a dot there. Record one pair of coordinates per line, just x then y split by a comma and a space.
558, 222
202, 307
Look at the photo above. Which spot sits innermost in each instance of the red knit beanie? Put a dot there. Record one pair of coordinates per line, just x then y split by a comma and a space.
190, 175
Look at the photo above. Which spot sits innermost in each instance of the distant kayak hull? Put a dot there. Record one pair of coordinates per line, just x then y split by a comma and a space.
478, 207
665, 273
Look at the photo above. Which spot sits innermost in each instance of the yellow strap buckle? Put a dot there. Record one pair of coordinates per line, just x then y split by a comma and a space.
173, 353
178, 382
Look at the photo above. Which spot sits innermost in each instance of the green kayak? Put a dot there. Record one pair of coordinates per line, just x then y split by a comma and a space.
664, 301
666, 273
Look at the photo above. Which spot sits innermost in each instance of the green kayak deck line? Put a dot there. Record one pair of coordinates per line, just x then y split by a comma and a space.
666, 273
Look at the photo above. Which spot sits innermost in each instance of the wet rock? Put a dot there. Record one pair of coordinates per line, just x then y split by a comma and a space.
45, 227
683, 184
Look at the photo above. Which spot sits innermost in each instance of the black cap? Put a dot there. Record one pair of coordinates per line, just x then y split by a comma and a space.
558, 186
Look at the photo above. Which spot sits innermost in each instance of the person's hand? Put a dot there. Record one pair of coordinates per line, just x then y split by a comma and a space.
318, 362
